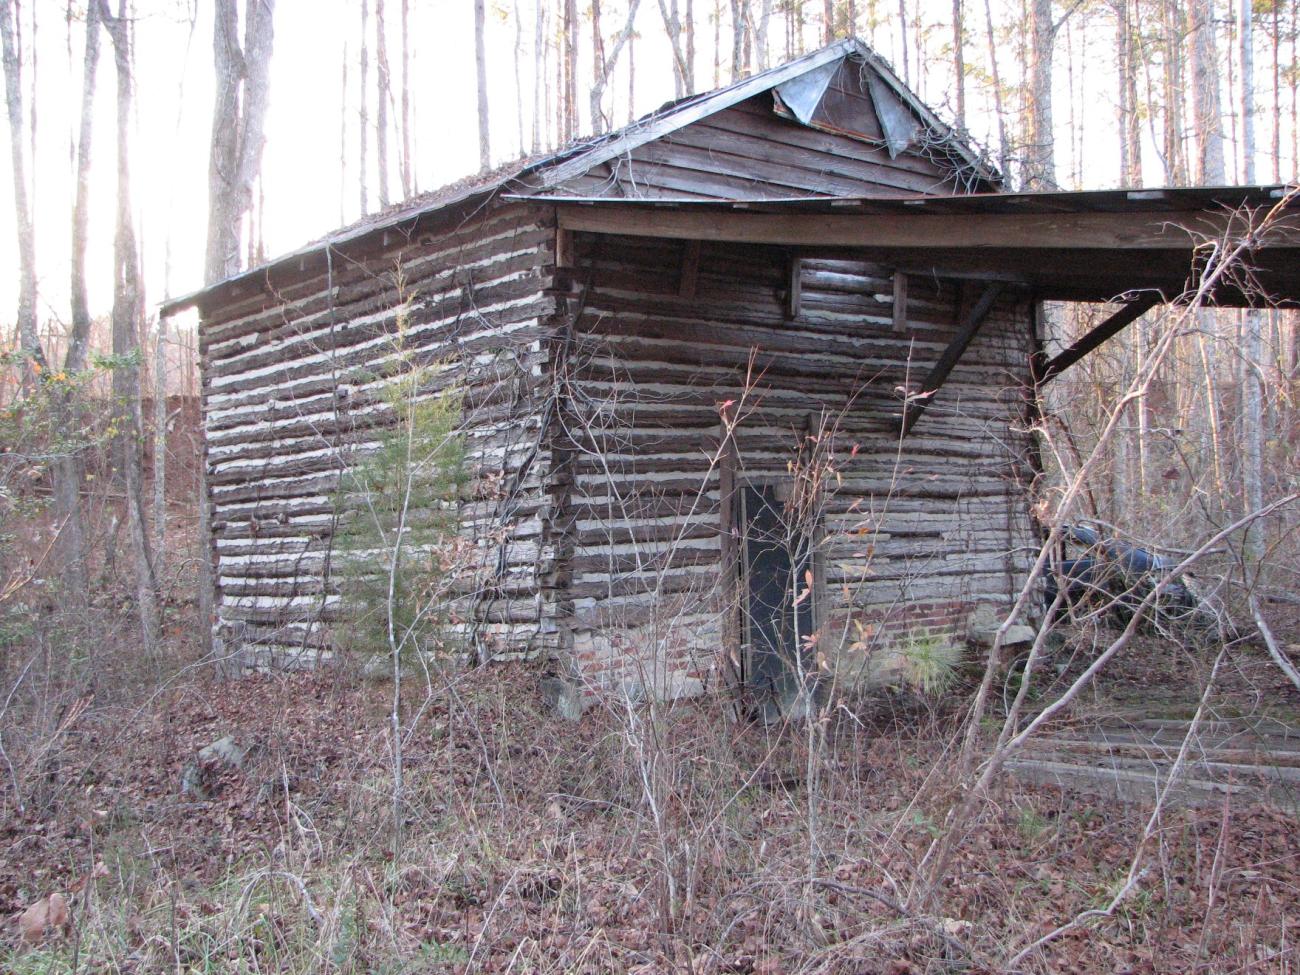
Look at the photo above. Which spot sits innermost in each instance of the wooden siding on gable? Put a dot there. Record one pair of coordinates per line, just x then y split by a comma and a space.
749, 151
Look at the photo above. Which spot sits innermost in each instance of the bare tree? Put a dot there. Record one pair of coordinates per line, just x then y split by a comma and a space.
1175, 151
1040, 151
1205, 94
1004, 140
382, 95
688, 26
79, 338
405, 163
1247, 42
739, 37
363, 125
519, 80
1252, 384
902, 31
67, 468
28, 338
959, 60
762, 56
539, 73
343, 135
128, 313
480, 62
160, 445
606, 65
238, 115
569, 129
1130, 132
683, 48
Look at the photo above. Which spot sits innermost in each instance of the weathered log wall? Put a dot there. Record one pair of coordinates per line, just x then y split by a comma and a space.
595, 447
913, 533
293, 387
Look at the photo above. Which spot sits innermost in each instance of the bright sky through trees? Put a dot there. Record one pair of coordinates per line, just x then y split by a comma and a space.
306, 194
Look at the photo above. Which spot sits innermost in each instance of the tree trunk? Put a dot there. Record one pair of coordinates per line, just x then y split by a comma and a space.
959, 61
761, 34
570, 70
1207, 123
28, 339
1130, 133
688, 75
66, 471
363, 126
902, 31
1246, 42
382, 95
519, 80
480, 62
717, 43
738, 13
1252, 391
78, 340
1004, 140
1208, 120
597, 61
1040, 153
235, 159
1175, 157
160, 445
539, 72
605, 64
631, 78
128, 308
673, 28
405, 162
343, 136
238, 115
1276, 37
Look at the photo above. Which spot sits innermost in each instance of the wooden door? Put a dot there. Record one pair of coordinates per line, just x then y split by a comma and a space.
774, 563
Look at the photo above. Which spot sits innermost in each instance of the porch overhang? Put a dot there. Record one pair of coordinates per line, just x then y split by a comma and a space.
1095, 246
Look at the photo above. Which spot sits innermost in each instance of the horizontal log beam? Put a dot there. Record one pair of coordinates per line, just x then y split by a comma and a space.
1179, 229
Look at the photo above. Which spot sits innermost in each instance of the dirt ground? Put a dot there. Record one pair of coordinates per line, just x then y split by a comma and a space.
636, 839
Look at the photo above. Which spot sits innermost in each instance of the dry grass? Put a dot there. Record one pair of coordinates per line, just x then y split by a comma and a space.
634, 840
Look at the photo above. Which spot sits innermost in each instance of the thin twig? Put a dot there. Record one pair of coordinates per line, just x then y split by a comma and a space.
1274, 650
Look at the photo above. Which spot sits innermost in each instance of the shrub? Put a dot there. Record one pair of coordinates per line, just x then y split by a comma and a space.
397, 525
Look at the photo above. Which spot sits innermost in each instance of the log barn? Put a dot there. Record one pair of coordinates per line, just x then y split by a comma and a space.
743, 388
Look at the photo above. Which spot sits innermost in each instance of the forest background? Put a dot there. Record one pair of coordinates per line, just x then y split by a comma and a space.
157, 146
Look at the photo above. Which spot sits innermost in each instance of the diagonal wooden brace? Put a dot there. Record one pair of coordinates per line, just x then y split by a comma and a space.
938, 375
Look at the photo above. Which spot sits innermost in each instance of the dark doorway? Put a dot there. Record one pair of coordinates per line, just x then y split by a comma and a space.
775, 561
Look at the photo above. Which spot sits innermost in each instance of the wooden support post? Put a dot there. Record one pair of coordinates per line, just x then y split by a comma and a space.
1108, 329
916, 404
563, 247
689, 273
900, 302
794, 293
732, 665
